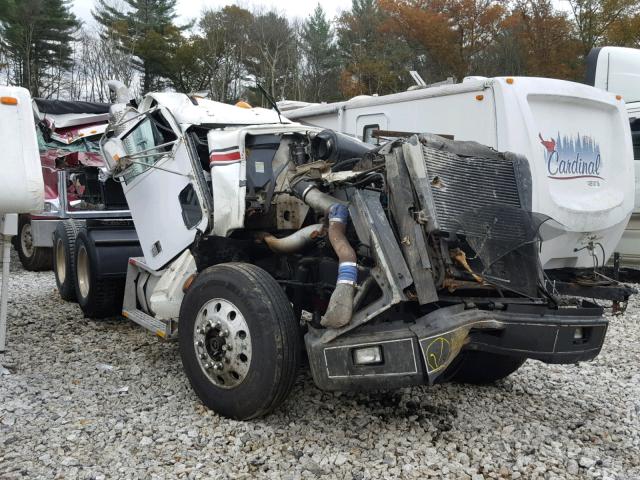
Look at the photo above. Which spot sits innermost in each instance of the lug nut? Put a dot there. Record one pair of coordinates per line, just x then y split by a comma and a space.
200, 343
224, 333
218, 366
226, 348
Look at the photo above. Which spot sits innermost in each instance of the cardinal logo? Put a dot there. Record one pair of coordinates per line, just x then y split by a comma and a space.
572, 157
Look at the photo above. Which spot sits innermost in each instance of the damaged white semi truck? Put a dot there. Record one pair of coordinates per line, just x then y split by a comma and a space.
411, 263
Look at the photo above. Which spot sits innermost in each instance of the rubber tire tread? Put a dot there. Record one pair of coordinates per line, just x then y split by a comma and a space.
482, 368
105, 294
283, 319
42, 258
70, 229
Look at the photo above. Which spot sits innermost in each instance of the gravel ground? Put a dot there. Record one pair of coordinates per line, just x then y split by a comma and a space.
103, 399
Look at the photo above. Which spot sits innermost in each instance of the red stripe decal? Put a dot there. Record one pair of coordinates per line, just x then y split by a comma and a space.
224, 157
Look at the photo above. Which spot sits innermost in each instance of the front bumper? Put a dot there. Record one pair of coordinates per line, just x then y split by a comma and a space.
419, 352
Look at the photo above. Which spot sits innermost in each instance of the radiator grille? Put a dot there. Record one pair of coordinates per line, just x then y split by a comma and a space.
469, 191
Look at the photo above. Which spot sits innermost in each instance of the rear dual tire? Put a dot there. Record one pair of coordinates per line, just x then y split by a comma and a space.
97, 296
64, 251
239, 341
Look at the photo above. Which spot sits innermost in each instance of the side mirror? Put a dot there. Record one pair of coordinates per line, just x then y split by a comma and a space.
113, 152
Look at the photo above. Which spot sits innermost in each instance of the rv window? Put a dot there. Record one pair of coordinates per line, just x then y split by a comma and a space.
367, 133
147, 143
635, 137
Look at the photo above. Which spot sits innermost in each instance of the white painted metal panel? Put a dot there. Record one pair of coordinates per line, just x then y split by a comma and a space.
21, 184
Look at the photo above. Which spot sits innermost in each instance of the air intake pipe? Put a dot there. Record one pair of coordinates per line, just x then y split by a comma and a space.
340, 307
310, 194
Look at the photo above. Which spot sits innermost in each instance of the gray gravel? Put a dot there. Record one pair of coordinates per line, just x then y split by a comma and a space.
103, 399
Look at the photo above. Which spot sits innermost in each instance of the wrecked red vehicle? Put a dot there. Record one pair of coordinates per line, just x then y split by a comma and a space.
68, 134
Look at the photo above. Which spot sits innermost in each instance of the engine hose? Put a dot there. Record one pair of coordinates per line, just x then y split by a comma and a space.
294, 242
309, 193
340, 308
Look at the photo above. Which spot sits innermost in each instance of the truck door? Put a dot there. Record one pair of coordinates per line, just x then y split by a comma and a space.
366, 125
163, 186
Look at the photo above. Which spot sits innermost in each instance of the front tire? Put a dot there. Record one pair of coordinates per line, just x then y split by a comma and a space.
239, 340
481, 368
98, 296
64, 250
32, 258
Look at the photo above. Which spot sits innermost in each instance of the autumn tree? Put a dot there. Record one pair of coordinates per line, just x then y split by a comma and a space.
543, 41
37, 37
455, 33
593, 19
625, 32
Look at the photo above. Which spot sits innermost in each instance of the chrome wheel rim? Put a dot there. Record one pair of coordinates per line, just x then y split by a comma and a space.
26, 240
222, 343
61, 266
82, 268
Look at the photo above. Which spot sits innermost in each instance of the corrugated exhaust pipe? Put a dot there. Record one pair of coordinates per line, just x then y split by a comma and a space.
294, 242
340, 307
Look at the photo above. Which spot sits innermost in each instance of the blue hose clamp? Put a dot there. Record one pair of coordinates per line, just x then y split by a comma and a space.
338, 213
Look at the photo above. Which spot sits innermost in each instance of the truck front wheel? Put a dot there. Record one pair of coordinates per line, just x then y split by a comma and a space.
98, 296
239, 340
31, 257
481, 368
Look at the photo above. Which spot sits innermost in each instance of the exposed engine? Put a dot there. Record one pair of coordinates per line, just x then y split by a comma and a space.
325, 214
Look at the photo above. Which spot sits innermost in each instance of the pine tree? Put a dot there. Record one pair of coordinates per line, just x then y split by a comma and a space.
147, 30
321, 57
37, 36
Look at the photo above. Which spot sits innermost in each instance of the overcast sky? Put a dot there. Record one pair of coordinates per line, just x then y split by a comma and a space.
188, 9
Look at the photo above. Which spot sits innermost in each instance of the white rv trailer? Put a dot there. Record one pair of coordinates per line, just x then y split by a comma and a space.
21, 184
575, 137
617, 70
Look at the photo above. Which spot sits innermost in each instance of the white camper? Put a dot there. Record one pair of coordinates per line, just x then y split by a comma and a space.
617, 70
575, 138
21, 184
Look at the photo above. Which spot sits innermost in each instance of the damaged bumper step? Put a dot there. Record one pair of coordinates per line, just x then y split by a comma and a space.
398, 354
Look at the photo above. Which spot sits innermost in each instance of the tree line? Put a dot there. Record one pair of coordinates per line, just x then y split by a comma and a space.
369, 48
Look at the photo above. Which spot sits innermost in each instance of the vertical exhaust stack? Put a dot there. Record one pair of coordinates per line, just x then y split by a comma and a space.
340, 307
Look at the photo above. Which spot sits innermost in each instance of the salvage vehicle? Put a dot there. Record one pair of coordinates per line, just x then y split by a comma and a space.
576, 138
617, 70
68, 134
411, 263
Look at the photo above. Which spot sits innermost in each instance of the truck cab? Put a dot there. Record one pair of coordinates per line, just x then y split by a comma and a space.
617, 70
